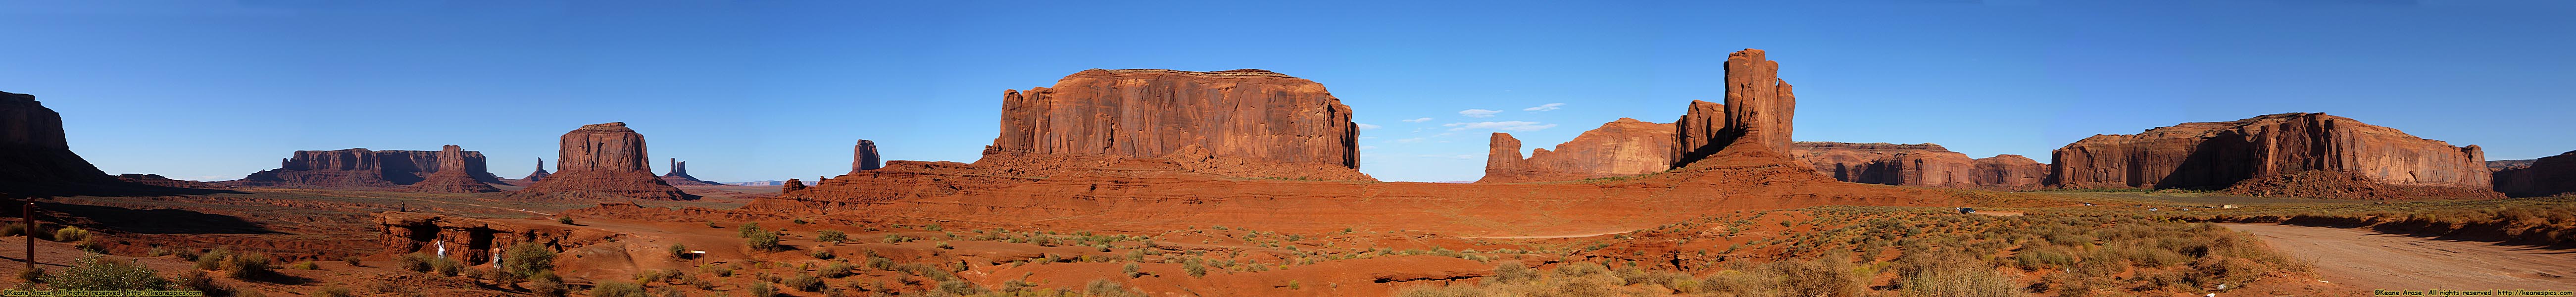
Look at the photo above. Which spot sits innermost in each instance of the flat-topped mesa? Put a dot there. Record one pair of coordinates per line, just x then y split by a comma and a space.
35, 158
2218, 154
2009, 172
1924, 165
863, 157
363, 169
602, 162
455, 173
1245, 123
2544, 177
679, 176
1618, 148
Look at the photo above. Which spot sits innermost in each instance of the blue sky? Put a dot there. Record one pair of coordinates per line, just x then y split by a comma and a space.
214, 90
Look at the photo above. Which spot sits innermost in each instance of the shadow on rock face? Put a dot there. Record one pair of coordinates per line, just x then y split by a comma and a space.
158, 221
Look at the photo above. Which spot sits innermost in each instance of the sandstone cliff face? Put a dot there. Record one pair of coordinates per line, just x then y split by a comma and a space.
679, 176
2544, 177
35, 160
475, 241
453, 175
2009, 172
1619, 148
363, 169
1924, 165
1250, 123
1759, 106
2218, 154
1698, 133
602, 162
863, 156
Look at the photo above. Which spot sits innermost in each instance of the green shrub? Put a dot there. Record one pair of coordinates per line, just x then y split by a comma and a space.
415, 262
563, 220
305, 265
546, 285
528, 259
762, 290
1194, 268
679, 251
880, 263
1131, 269
351, 260
1964, 282
806, 283
95, 274
70, 234
31, 275
831, 236
617, 289
764, 241
446, 267
748, 229
214, 259
332, 291
822, 254
836, 270
944, 245
1513, 272
13, 229
247, 265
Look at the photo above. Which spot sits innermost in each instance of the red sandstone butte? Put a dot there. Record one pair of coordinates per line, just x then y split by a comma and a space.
679, 176
2544, 177
2009, 172
363, 169
1699, 132
454, 175
1759, 105
1249, 123
540, 175
2213, 155
35, 160
1619, 148
863, 157
602, 162
1925, 165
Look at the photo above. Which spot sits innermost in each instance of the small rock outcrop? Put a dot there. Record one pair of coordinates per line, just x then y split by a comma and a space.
1247, 123
863, 157
791, 185
1697, 133
540, 175
1923, 165
363, 169
2547, 176
453, 175
35, 159
602, 162
2009, 172
475, 241
1619, 148
2214, 155
679, 176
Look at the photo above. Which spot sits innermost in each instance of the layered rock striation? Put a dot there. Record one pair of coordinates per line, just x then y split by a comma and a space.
363, 169
2213, 155
679, 176
1249, 123
2547, 176
1759, 105
602, 162
1618, 148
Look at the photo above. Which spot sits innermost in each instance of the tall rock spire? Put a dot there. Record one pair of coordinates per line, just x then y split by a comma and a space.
863, 157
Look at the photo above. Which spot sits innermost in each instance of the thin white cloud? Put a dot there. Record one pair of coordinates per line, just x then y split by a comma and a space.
1418, 120
1545, 107
1504, 126
1407, 140
1366, 126
1478, 113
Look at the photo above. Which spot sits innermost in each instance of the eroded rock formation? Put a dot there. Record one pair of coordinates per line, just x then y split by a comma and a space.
2009, 172
863, 156
35, 160
679, 176
1248, 123
1619, 148
2544, 177
363, 169
540, 175
1927, 165
2215, 155
602, 161
454, 175
158, 180
475, 241
1697, 134
1759, 106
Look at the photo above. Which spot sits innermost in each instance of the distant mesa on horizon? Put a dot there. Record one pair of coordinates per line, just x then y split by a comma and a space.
602, 162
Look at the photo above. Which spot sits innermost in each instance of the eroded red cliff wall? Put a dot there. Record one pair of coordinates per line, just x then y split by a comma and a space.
2218, 154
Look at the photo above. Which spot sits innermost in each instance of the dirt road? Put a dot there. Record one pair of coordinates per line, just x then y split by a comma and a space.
2366, 259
